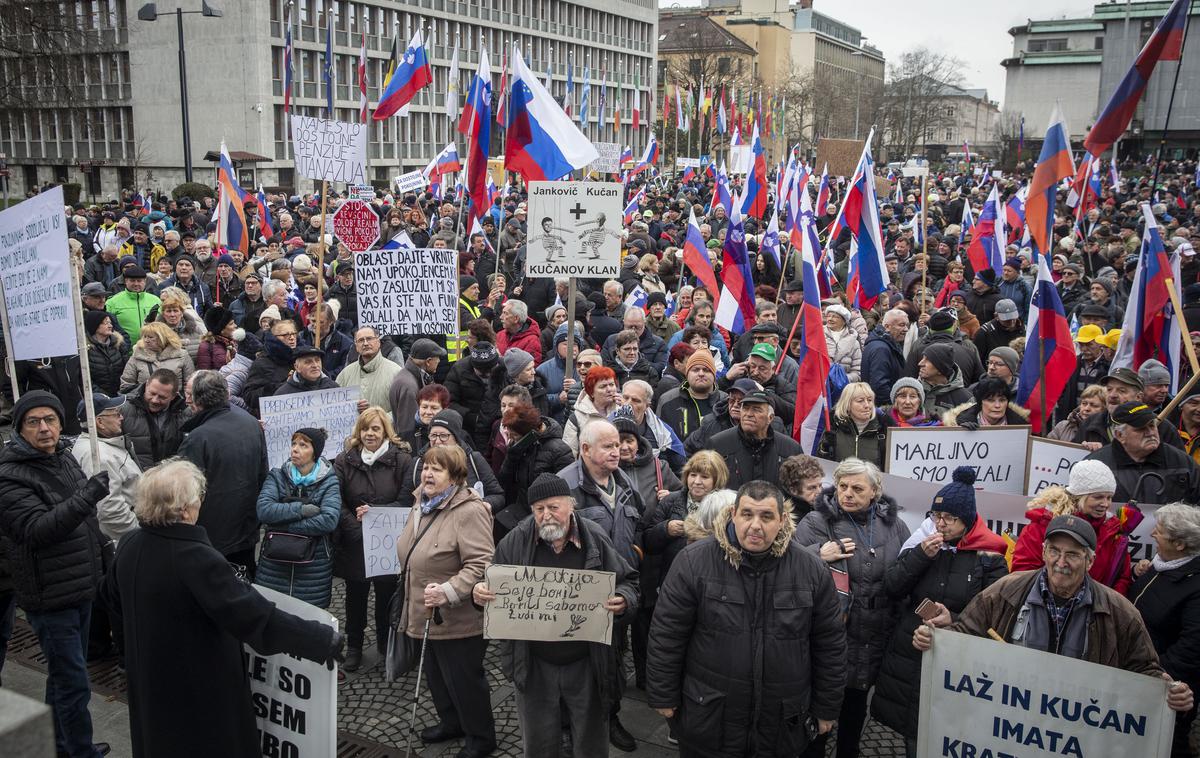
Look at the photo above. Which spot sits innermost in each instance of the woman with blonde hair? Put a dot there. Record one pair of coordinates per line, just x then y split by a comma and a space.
445, 548
704, 473
647, 269
857, 428
159, 347
1092, 400
176, 311
1088, 495
371, 473
843, 342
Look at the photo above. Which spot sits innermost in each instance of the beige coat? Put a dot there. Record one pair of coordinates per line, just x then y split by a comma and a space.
454, 553
143, 363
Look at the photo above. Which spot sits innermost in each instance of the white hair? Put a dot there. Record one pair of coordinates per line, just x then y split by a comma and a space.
644, 386
272, 287
593, 429
1181, 523
856, 466
518, 308
711, 505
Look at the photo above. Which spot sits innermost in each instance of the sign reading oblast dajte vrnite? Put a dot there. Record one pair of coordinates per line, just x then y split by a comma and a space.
407, 291
574, 229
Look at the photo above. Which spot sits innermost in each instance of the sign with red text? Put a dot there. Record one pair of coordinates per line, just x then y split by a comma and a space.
356, 224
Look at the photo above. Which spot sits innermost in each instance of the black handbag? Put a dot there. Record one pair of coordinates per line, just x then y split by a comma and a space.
285, 547
403, 651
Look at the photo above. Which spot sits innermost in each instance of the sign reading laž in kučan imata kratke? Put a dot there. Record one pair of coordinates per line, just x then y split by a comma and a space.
328, 150
35, 268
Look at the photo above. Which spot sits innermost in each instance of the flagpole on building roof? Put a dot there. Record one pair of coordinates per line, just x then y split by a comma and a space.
1162, 138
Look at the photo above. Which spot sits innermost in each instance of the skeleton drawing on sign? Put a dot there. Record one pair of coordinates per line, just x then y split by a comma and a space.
553, 244
592, 238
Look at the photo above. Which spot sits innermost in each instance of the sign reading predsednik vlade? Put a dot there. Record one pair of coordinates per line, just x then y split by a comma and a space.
574, 229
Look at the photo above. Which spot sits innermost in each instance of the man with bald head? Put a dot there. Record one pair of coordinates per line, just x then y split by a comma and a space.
883, 353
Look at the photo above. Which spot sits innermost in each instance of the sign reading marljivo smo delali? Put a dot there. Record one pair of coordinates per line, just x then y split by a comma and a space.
328, 150
548, 604
574, 229
980, 697
930, 454
407, 291
35, 267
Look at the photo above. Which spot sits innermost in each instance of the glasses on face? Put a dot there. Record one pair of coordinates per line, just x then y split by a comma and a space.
939, 517
996, 364
365, 340
440, 437
1071, 556
33, 422
287, 335
586, 364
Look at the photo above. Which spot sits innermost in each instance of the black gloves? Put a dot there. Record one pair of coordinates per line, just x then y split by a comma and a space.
970, 426
337, 650
96, 488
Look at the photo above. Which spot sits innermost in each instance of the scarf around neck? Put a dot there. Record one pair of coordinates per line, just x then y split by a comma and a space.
369, 458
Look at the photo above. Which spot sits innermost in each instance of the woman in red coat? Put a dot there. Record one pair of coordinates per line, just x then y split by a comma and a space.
1088, 494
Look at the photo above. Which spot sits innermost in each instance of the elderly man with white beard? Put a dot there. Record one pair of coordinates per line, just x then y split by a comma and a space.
551, 677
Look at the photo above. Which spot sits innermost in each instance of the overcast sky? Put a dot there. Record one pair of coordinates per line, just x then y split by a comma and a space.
975, 32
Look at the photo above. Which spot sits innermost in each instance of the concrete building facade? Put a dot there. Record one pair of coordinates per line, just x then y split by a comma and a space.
123, 120
1056, 60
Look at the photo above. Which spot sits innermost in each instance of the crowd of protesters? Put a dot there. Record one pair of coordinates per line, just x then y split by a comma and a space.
666, 454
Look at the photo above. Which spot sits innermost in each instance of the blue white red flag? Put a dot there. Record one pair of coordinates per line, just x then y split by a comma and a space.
542, 143
626, 155
812, 403
735, 309
770, 241
444, 162
988, 239
721, 194
1014, 213
410, 77
967, 225
1054, 164
635, 204
695, 256
1165, 44
288, 55
1049, 360
637, 298
1150, 329
649, 158
476, 123
232, 229
868, 274
266, 223
688, 174
823, 190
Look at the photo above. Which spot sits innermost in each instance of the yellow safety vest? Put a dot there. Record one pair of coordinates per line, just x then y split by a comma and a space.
456, 344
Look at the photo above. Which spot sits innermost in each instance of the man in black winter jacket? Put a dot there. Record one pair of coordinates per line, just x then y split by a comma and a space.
227, 444
307, 373
1136, 450
51, 542
733, 659
153, 418
883, 354
753, 449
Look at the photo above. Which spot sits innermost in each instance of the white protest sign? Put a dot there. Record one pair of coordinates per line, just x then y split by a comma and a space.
1002, 512
687, 163
930, 454
407, 291
1050, 463
574, 229
981, 697
35, 266
740, 159
327, 150
334, 410
295, 699
997, 174
609, 161
381, 526
548, 604
413, 180
977, 171
364, 192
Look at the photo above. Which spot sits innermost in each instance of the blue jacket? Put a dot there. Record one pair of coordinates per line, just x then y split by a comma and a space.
279, 510
882, 363
553, 372
1017, 291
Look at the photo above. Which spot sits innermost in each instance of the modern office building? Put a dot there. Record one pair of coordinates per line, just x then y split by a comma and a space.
1054, 61
103, 107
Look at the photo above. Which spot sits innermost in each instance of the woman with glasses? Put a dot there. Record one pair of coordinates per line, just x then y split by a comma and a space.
949, 560
446, 430
1088, 495
856, 529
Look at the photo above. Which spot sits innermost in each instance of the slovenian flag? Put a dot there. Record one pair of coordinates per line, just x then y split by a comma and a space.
542, 143
1048, 337
812, 403
476, 123
735, 309
695, 256
1054, 164
410, 77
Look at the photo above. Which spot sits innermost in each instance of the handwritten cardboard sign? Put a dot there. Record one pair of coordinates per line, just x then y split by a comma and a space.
1050, 463
930, 454
334, 410
381, 527
407, 291
328, 150
549, 604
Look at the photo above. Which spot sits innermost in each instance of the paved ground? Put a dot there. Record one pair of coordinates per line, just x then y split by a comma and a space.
373, 714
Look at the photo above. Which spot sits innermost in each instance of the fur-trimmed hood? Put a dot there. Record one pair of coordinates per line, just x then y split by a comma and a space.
827, 505
970, 412
733, 553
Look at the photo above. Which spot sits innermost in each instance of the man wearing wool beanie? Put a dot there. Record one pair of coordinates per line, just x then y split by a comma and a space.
942, 380
557, 677
948, 560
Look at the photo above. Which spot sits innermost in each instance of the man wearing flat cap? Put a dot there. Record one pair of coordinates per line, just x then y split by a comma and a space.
1136, 449
552, 678
1060, 609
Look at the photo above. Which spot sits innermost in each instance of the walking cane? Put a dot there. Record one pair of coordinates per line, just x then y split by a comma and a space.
430, 615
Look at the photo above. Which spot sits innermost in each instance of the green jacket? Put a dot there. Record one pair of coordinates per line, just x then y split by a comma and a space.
130, 309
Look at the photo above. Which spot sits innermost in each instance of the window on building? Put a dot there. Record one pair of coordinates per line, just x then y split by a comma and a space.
1053, 44
723, 66
1099, 44
696, 67
949, 135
